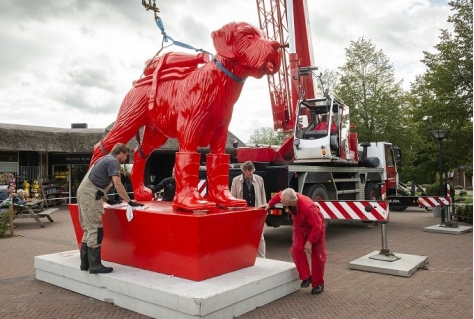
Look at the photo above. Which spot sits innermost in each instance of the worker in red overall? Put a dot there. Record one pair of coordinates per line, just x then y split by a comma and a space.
323, 125
309, 236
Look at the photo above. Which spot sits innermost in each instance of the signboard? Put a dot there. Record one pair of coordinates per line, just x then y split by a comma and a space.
56, 159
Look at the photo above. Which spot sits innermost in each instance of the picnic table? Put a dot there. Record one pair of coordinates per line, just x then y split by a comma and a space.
34, 209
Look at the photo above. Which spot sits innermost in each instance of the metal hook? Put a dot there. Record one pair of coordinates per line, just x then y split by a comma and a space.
150, 6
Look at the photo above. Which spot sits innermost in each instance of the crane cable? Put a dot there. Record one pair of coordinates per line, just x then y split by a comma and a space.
166, 37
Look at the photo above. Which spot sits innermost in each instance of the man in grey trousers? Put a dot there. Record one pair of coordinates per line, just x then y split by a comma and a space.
90, 199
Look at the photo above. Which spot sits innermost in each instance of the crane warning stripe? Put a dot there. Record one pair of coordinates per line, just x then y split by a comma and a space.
329, 210
354, 210
425, 201
378, 209
344, 210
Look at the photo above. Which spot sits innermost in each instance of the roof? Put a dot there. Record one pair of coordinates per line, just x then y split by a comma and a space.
15, 137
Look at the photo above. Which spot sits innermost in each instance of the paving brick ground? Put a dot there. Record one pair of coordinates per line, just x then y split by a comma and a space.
445, 290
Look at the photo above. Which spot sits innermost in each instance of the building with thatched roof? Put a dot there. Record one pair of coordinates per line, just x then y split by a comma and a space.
63, 154
15, 137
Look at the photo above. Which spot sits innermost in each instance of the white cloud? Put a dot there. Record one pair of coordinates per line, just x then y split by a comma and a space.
74, 61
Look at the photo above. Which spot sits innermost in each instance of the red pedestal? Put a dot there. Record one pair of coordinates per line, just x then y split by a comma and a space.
194, 246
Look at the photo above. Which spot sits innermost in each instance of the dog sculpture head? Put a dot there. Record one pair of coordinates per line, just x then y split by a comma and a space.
245, 45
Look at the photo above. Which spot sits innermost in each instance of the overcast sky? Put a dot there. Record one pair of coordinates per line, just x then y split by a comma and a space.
73, 61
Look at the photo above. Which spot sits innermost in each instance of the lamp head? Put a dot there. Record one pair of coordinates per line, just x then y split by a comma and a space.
440, 134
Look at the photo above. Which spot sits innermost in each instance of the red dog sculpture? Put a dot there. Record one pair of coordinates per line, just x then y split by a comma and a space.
194, 105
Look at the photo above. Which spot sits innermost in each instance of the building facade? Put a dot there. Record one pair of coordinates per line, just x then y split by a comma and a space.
61, 155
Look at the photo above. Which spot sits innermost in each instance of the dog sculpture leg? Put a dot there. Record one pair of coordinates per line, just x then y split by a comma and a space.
186, 177
152, 139
217, 166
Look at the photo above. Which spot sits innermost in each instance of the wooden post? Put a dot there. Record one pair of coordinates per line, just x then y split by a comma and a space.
11, 218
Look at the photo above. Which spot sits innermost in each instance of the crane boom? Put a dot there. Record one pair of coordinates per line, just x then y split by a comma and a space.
298, 109
286, 21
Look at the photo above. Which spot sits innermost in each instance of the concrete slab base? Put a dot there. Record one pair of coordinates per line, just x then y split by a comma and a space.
161, 296
448, 230
404, 266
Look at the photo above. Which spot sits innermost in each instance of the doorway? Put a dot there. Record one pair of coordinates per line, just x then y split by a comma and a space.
70, 177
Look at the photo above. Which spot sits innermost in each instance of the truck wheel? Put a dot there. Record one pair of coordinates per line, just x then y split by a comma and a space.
317, 192
371, 191
400, 192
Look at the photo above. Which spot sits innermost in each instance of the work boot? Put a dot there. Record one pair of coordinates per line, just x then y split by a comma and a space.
95, 262
217, 167
84, 258
305, 283
186, 178
317, 290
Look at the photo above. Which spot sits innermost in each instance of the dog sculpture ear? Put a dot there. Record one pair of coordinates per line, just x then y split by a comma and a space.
223, 39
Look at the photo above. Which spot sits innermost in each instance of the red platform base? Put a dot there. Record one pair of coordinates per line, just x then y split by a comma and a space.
194, 246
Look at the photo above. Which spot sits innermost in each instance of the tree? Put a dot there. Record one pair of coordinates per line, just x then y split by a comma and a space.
329, 80
267, 136
377, 102
368, 87
441, 98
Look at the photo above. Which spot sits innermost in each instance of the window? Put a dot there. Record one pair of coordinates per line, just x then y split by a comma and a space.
10, 157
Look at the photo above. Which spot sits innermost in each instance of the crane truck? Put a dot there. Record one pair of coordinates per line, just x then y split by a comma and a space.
328, 165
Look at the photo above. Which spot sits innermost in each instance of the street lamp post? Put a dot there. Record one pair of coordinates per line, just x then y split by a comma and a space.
440, 135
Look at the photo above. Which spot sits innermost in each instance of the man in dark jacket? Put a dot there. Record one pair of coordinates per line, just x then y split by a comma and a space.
168, 186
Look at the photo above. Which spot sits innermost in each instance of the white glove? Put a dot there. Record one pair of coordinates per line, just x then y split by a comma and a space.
129, 213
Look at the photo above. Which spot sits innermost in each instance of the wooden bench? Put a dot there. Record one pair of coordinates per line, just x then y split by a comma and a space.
47, 213
34, 210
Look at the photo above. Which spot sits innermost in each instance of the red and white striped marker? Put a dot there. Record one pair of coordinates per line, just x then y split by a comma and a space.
202, 187
354, 210
345, 210
350, 210
433, 201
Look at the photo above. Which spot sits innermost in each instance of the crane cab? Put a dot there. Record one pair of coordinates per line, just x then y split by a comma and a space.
322, 131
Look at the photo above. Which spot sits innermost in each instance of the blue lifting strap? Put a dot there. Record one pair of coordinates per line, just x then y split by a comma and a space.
166, 37
160, 25
226, 71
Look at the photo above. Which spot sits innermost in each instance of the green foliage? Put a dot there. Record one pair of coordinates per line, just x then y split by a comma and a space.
330, 80
441, 98
432, 190
377, 102
368, 86
463, 212
266, 136
4, 221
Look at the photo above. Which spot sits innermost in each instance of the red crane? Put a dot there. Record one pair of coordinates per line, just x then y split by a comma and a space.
286, 22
